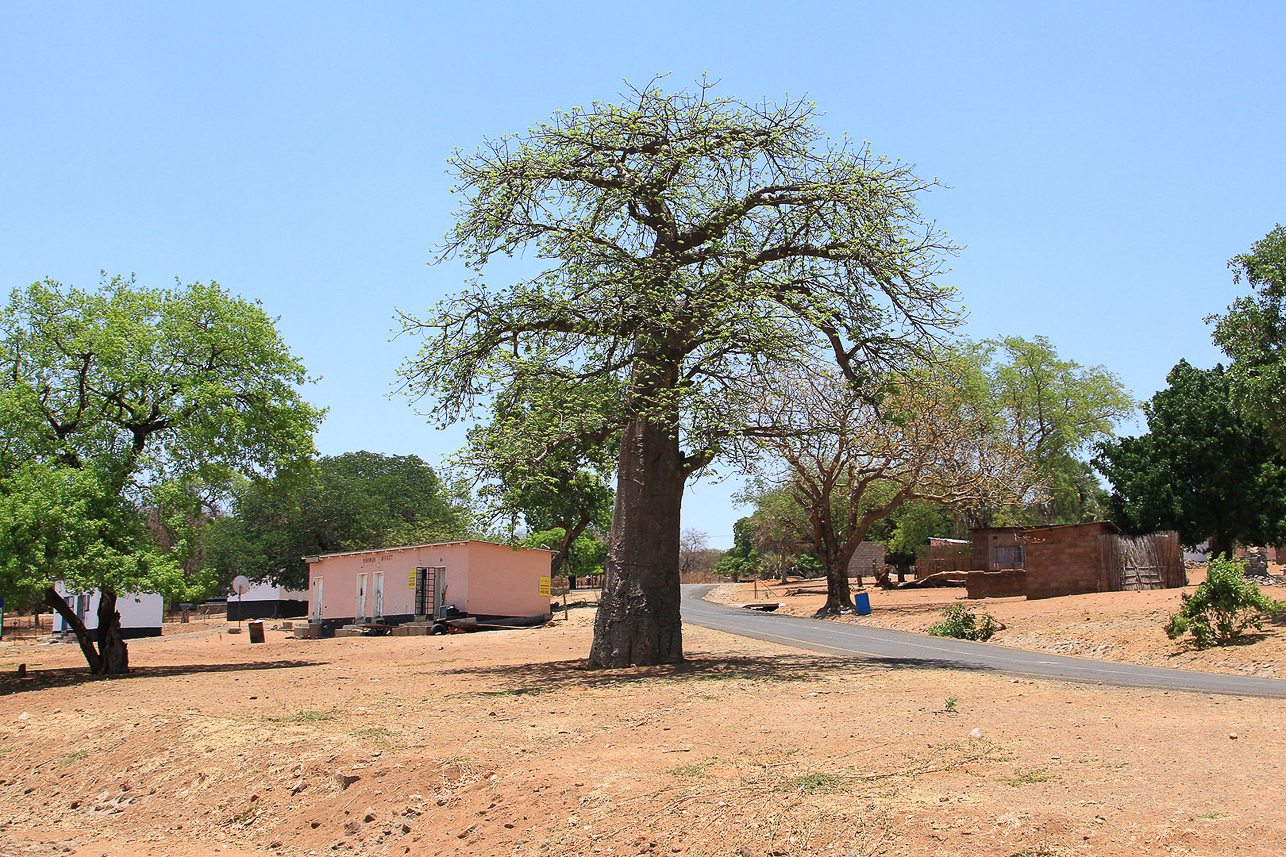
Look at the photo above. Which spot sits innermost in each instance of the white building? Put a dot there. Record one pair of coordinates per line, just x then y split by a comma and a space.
141, 612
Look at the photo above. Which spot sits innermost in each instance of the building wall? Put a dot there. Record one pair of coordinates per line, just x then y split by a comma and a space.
867, 552
141, 612
1064, 560
482, 579
985, 541
996, 584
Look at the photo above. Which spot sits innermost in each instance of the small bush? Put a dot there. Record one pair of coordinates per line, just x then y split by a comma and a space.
1223, 608
960, 622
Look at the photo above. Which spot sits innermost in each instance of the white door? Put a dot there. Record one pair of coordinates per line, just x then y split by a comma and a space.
317, 599
361, 597
377, 582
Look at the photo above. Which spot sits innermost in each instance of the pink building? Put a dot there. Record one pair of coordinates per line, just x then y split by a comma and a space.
396, 585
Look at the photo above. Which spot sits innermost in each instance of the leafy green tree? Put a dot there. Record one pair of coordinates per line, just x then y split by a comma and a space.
116, 403
353, 501
561, 487
1253, 334
1202, 469
584, 556
742, 560
693, 243
1058, 409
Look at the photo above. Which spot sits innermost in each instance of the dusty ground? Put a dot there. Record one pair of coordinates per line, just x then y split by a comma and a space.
1114, 626
495, 744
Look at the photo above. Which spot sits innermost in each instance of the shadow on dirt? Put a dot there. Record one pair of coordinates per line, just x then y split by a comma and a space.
565, 675
40, 679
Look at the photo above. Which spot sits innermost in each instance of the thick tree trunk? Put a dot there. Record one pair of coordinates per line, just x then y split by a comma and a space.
54, 600
638, 620
839, 596
111, 645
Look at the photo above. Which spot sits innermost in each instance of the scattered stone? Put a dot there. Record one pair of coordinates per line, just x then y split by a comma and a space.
299, 786
345, 780
314, 824
352, 827
369, 816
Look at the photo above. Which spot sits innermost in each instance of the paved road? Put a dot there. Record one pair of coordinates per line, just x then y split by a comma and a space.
911, 650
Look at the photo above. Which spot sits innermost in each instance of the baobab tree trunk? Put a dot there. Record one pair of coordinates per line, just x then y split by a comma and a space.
638, 620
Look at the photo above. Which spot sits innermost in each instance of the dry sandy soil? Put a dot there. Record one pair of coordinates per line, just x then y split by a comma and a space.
500, 743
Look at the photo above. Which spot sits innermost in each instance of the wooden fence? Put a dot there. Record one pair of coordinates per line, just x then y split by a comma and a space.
1153, 561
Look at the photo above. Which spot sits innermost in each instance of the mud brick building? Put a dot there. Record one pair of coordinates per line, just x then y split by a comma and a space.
1045, 562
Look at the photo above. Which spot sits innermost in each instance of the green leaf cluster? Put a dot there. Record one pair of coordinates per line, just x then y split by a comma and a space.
962, 623
1253, 334
1223, 607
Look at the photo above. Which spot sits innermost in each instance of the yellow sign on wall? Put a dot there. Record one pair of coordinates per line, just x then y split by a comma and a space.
544, 586
410, 578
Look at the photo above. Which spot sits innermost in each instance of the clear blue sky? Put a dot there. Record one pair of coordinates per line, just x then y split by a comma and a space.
1105, 159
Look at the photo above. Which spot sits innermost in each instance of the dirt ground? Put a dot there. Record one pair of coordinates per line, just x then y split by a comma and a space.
1111, 626
500, 743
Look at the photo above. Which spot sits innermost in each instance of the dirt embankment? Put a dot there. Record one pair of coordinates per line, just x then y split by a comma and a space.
1115, 626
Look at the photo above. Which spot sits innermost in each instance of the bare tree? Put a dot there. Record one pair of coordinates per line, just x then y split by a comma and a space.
852, 460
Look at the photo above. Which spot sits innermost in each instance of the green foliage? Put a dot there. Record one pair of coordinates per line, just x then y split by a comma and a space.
743, 559
353, 501
1202, 469
960, 622
1253, 334
585, 555
129, 404
1058, 409
1223, 607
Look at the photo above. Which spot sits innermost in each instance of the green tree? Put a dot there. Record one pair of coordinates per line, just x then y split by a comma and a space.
118, 402
1202, 468
1253, 334
551, 487
1224, 607
693, 243
584, 556
1058, 409
353, 501
742, 560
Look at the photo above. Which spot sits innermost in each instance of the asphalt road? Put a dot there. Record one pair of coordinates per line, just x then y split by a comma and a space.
915, 650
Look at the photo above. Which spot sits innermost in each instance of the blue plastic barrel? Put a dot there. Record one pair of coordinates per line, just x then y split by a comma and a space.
862, 601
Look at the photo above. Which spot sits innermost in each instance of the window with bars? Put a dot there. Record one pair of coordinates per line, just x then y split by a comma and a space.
1009, 555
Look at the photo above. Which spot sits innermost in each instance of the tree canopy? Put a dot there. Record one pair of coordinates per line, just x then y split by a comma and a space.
1202, 468
124, 400
353, 501
691, 245
1253, 334
1059, 409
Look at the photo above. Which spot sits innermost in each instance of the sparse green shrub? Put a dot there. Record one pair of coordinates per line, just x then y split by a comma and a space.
960, 622
1224, 607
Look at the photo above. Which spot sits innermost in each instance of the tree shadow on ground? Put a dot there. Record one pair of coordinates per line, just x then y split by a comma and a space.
573, 674
42, 679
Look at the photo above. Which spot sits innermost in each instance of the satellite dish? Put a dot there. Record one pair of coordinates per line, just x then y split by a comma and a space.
241, 584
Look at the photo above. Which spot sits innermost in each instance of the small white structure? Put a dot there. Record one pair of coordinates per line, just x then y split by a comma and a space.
266, 601
141, 612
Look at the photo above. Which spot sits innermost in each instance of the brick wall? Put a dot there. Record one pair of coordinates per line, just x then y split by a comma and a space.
866, 553
996, 584
1064, 560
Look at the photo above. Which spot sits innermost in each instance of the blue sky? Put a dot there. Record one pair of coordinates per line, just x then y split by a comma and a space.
1104, 160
